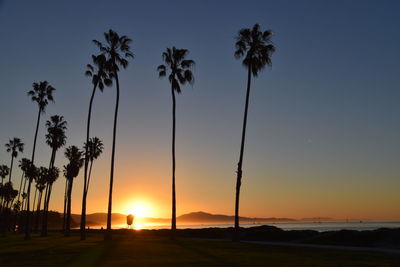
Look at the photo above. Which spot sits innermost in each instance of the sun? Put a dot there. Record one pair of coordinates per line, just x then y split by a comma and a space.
140, 209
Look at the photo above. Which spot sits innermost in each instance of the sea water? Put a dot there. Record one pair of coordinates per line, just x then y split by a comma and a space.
316, 226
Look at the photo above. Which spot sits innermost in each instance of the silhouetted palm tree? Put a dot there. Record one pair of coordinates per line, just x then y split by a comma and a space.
41, 180
8, 195
41, 93
24, 164
99, 74
52, 176
116, 50
74, 155
256, 48
56, 139
4, 171
14, 146
179, 73
95, 148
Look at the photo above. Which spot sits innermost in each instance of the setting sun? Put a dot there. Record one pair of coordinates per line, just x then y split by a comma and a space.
140, 209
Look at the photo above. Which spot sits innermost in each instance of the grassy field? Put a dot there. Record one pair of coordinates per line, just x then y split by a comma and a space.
131, 250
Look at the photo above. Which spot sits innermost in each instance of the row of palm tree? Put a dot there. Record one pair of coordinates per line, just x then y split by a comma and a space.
253, 45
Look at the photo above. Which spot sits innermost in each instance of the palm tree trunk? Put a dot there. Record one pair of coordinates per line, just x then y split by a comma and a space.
39, 203
90, 175
68, 222
46, 211
47, 197
173, 219
85, 181
239, 168
108, 235
27, 226
23, 199
43, 232
65, 203
11, 166
20, 186
34, 201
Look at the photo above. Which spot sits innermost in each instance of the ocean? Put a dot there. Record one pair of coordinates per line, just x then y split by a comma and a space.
317, 226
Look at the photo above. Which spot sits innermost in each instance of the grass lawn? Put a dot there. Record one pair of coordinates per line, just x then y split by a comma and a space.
130, 250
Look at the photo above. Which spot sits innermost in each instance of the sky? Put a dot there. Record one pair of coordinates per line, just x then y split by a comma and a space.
324, 120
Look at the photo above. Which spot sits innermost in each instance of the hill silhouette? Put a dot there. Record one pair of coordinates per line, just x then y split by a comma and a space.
200, 217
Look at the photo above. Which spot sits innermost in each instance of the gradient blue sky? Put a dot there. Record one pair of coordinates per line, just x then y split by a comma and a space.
324, 122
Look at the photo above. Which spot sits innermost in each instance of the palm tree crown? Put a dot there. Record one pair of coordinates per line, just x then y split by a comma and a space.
14, 146
179, 67
94, 147
74, 155
24, 164
4, 170
99, 71
42, 93
116, 51
256, 47
56, 128
41, 178
52, 175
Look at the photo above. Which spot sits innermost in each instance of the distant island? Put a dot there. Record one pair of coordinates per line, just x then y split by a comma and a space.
200, 217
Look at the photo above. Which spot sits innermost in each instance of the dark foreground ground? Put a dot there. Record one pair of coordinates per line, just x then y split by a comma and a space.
141, 248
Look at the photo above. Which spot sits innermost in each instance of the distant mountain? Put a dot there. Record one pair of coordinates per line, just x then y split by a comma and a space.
317, 219
100, 219
204, 217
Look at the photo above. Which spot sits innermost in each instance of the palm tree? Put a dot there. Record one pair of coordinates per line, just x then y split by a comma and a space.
117, 51
8, 194
99, 74
4, 171
52, 176
41, 93
56, 139
24, 164
41, 180
74, 155
179, 73
14, 146
95, 148
256, 47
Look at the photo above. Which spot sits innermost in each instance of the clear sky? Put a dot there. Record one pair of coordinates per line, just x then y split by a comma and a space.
324, 121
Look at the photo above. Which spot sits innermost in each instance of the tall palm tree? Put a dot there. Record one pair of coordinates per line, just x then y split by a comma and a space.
52, 176
24, 164
256, 47
41, 180
8, 194
41, 93
94, 149
74, 155
179, 73
14, 146
4, 171
117, 52
99, 74
56, 139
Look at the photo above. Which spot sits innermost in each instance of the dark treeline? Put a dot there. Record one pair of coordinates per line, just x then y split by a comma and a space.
27, 209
